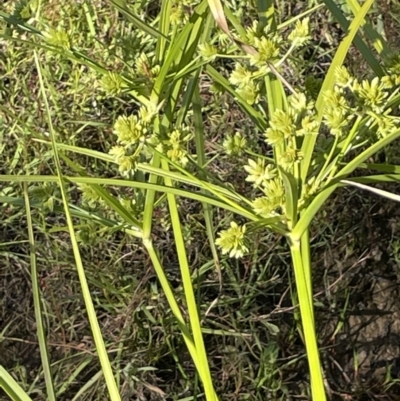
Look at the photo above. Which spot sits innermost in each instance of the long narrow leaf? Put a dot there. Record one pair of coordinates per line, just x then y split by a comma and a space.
132, 184
329, 81
11, 387
75, 212
109, 200
377, 179
149, 204
122, 7
384, 168
94, 324
320, 199
291, 196
172, 301
154, 169
204, 369
377, 40
37, 303
376, 191
175, 51
358, 41
18, 23
307, 317
201, 159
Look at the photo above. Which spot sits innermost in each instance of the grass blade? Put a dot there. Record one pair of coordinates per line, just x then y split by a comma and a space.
94, 324
291, 196
378, 41
203, 367
320, 199
377, 191
358, 41
183, 47
37, 303
110, 200
304, 293
11, 387
201, 159
134, 184
329, 81
18, 23
121, 6
164, 26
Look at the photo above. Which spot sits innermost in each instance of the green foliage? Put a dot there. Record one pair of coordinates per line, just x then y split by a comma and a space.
142, 86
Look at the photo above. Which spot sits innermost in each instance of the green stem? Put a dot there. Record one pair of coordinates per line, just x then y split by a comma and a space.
192, 306
323, 171
306, 259
304, 292
346, 147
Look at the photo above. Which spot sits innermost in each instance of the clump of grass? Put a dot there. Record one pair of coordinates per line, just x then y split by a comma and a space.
124, 141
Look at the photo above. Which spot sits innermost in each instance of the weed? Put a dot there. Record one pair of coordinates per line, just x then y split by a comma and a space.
111, 155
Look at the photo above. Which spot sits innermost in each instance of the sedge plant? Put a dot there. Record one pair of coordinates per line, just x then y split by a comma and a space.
316, 143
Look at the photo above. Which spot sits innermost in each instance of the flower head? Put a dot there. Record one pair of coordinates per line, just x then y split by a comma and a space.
58, 37
208, 51
343, 77
336, 120
263, 206
301, 33
240, 76
175, 145
126, 163
232, 241
234, 144
130, 130
267, 51
112, 83
89, 196
250, 92
372, 94
259, 172
283, 121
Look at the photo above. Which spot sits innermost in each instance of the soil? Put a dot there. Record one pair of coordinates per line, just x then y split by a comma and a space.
363, 291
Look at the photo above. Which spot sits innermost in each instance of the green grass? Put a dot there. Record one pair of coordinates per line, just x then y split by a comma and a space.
119, 281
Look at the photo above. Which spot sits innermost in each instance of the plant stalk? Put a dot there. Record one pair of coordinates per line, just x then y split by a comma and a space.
304, 291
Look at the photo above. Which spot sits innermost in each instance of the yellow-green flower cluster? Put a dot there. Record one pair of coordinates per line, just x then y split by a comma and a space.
233, 241
58, 37
368, 98
126, 162
284, 129
89, 196
179, 14
130, 130
175, 145
264, 176
273, 200
234, 144
392, 64
132, 135
285, 125
23, 9
246, 85
145, 68
301, 33
270, 49
267, 51
337, 112
208, 51
112, 83
260, 172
